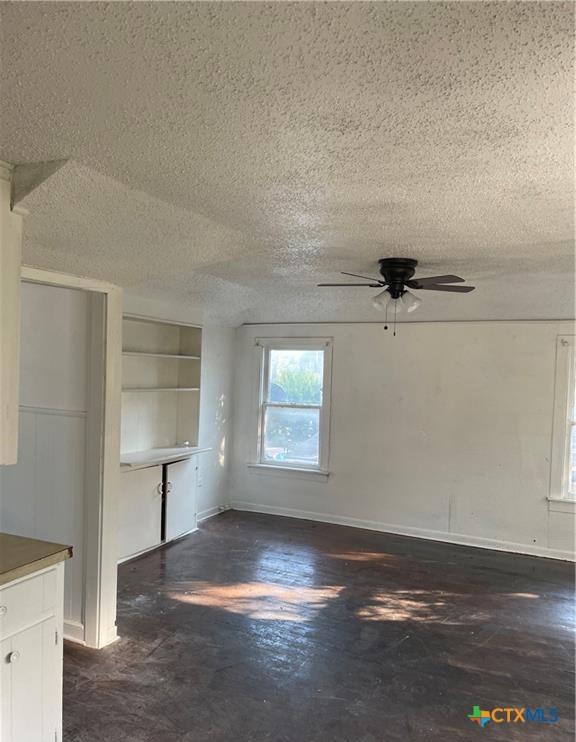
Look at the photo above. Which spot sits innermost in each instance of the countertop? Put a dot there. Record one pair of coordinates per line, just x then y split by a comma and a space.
20, 556
152, 456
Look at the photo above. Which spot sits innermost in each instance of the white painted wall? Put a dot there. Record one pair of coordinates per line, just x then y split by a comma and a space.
442, 432
216, 383
42, 496
218, 364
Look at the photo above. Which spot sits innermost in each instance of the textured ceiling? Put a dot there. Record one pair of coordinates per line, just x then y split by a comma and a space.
235, 154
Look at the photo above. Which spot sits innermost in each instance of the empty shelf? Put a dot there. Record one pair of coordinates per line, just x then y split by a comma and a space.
161, 389
177, 356
140, 459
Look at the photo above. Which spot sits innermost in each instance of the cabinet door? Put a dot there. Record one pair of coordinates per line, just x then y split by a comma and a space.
30, 679
181, 498
139, 510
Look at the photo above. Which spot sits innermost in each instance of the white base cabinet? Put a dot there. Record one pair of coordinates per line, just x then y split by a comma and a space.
181, 497
31, 624
156, 504
139, 511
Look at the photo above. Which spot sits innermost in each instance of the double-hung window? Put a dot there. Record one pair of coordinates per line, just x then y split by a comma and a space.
563, 479
294, 403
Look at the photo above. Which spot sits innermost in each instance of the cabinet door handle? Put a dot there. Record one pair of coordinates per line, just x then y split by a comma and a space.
13, 657
3, 610
168, 486
160, 489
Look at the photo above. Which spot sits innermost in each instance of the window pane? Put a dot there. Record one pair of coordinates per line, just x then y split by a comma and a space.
572, 465
291, 435
296, 376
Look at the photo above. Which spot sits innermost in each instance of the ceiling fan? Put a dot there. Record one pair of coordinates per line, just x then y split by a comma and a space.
397, 278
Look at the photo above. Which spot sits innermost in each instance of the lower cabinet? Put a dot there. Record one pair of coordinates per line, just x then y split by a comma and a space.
31, 658
156, 504
181, 479
139, 511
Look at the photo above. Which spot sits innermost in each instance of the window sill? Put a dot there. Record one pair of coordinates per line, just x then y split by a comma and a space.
562, 505
283, 471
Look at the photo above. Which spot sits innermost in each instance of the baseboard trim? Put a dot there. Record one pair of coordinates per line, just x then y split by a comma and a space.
210, 512
74, 632
182, 535
138, 554
129, 558
431, 535
110, 637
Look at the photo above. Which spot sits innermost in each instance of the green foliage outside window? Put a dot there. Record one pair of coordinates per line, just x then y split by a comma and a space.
300, 386
295, 379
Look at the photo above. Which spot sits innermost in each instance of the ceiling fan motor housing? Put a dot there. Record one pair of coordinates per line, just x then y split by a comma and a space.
396, 271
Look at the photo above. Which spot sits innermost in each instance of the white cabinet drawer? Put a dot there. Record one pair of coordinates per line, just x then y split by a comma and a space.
27, 602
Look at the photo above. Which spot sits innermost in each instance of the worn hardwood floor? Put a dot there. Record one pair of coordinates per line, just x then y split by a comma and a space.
272, 629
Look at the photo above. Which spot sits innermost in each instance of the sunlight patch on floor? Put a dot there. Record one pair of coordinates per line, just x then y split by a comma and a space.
264, 601
365, 556
426, 606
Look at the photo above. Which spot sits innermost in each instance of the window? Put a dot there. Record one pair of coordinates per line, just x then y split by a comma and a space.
563, 479
293, 423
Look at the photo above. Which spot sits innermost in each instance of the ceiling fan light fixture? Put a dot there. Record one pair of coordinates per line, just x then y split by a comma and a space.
409, 301
395, 306
397, 276
381, 300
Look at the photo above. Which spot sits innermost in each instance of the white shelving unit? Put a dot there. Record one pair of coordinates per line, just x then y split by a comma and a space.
160, 455
161, 385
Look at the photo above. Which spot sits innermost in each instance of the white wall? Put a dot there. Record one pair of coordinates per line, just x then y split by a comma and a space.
215, 417
217, 371
43, 494
443, 431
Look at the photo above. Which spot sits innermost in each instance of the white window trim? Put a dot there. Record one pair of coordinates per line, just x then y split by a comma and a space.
263, 345
559, 499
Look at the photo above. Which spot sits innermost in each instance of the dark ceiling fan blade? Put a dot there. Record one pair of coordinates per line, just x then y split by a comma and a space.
370, 285
416, 283
368, 278
441, 287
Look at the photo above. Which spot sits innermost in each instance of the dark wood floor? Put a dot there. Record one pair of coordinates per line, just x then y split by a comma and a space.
271, 629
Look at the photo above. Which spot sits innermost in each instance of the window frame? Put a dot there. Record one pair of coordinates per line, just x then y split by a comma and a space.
564, 398
265, 346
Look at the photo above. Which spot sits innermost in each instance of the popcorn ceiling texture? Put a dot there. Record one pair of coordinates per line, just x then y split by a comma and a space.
232, 155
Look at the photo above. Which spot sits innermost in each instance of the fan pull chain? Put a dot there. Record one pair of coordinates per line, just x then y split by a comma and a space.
395, 309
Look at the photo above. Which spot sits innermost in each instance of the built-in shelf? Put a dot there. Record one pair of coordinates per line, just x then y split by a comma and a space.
160, 356
153, 456
140, 353
161, 389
